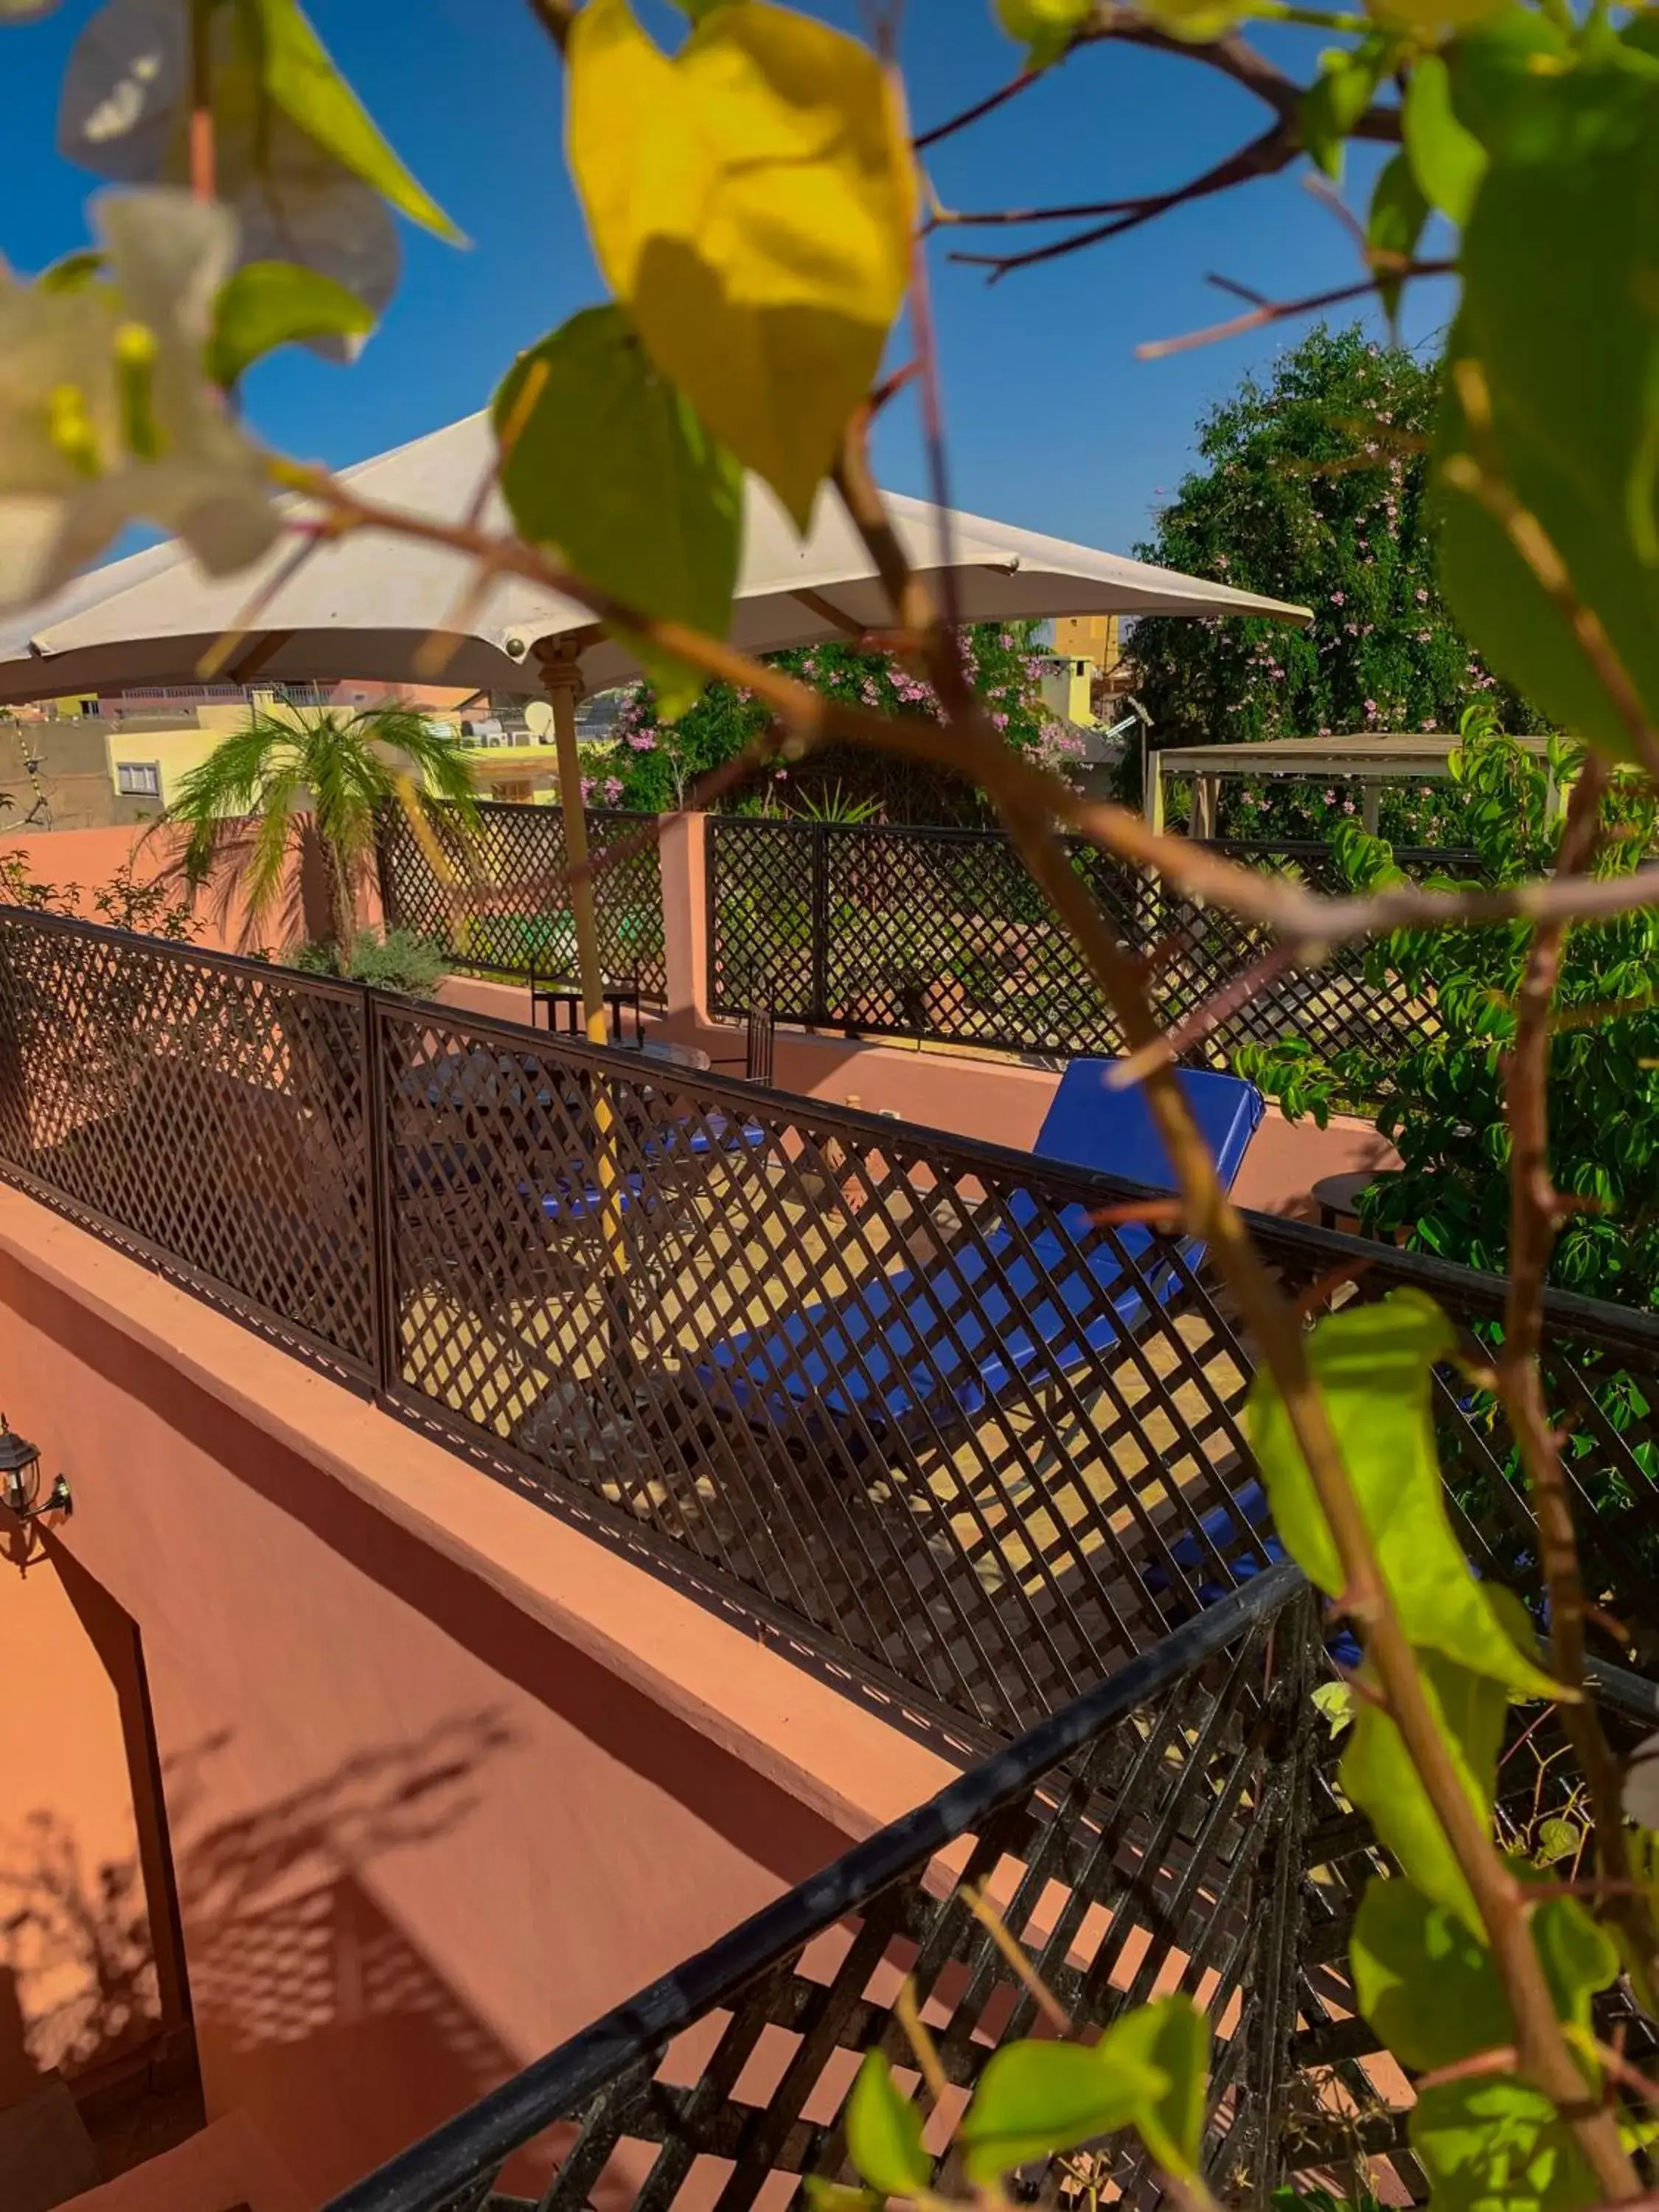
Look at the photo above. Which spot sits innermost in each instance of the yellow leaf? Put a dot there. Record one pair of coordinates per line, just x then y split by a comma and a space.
751, 203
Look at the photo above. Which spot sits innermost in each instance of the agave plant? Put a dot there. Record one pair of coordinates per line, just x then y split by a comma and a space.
328, 772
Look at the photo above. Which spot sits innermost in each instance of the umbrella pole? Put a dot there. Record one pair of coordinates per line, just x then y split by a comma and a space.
561, 680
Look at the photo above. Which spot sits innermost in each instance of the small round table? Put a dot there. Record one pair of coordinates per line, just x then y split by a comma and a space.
1337, 1196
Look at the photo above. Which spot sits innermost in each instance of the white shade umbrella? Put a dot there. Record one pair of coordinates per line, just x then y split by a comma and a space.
365, 605
370, 605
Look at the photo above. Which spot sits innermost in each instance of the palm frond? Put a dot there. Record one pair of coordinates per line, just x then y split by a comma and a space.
349, 764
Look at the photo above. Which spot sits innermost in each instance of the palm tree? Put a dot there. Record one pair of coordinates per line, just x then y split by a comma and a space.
327, 772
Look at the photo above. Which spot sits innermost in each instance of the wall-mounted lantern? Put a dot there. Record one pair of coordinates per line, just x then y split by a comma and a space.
19, 1477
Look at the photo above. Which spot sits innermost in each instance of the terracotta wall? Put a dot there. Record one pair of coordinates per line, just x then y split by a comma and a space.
420, 1834
88, 860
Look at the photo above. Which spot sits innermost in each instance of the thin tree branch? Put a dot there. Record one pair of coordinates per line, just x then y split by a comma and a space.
1534, 1218
1233, 56
988, 106
1278, 311
1263, 156
1544, 2056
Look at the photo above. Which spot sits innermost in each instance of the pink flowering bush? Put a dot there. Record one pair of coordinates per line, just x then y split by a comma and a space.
653, 765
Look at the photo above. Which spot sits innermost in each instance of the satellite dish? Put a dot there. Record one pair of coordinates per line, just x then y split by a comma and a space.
538, 717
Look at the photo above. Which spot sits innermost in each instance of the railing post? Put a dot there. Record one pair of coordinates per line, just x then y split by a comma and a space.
820, 863
383, 1305
1293, 1748
682, 849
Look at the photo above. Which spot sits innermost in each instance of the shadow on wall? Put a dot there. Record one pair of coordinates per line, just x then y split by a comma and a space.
77, 1967
312, 2009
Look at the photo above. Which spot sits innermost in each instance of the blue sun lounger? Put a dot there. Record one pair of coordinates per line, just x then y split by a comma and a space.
934, 1345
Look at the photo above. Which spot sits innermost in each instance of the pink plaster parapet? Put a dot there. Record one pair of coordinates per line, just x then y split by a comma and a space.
446, 1774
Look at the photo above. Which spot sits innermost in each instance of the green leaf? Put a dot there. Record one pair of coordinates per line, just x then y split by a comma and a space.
1394, 225
267, 304
1427, 1984
1373, 1366
751, 203
1495, 2144
836, 2197
1557, 1839
1494, 71
883, 2132
1446, 160
1035, 2099
1338, 97
1567, 211
1169, 2037
1378, 1775
74, 272
1044, 27
607, 463
301, 77
1424, 1978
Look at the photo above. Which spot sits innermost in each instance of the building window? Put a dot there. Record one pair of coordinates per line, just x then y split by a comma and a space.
138, 778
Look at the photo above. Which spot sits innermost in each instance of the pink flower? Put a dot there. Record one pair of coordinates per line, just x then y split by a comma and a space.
1347, 806
1422, 596
1339, 599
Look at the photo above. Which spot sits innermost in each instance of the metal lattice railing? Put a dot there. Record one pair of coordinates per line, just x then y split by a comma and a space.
1150, 1836
1179, 1825
507, 910
210, 1113
942, 934
914, 1400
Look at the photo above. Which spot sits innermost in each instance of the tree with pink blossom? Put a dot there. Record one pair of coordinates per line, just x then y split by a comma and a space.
1311, 487
656, 764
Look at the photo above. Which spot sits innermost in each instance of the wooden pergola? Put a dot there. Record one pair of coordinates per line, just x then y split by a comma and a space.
1376, 758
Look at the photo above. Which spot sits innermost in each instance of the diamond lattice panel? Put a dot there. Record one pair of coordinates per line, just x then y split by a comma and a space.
508, 907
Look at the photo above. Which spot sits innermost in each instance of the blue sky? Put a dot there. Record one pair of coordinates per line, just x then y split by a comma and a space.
1053, 423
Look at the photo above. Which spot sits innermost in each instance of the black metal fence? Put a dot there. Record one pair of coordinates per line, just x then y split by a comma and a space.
909, 1398
507, 909
1152, 1835
1176, 1826
943, 933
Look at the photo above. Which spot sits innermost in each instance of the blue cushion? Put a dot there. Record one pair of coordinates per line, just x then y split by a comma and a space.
948, 1340
1088, 1125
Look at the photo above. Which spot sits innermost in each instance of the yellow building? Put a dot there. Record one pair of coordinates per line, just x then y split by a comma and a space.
1067, 687
150, 754
527, 774
1090, 637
